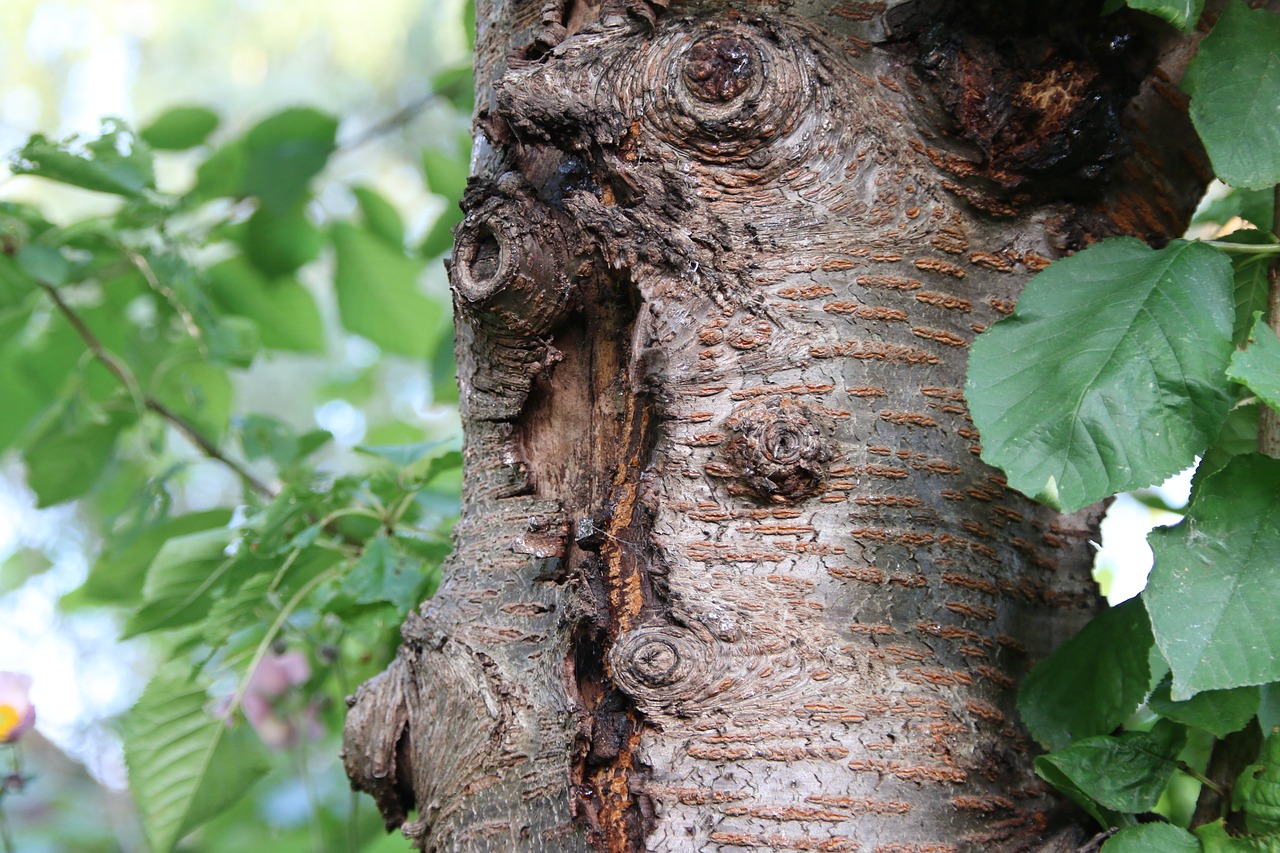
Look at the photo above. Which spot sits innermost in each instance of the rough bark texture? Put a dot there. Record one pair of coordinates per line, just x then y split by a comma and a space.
731, 575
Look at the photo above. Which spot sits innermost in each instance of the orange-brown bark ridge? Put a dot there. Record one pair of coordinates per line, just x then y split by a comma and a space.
730, 574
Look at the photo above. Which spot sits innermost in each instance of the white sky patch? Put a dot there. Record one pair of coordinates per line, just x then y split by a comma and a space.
1125, 559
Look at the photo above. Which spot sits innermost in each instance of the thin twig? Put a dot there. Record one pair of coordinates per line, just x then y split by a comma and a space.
1268, 420
126, 378
395, 121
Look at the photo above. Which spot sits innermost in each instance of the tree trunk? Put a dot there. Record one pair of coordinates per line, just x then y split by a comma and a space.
730, 574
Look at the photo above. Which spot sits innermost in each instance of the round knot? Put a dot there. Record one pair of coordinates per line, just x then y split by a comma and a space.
719, 68
780, 448
655, 661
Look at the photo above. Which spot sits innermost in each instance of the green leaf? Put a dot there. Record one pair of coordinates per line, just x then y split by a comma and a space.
285, 312
1093, 682
1239, 435
1218, 712
378, 295
385, 573
64, 462
1212, 592
1183, 14
1127, 773
116, 162
198, 392
1216, 839
1253, 206
1152, 838
446, 173
222, 175
1257, 791
1269, 709
279, 243
232, 340
1108, 376
266, 436
118, 574
185, 766
284, 152
180, 128
380, 216
1234, 83
1258, 366
180, 581
439, 239
44, 264
1251, 289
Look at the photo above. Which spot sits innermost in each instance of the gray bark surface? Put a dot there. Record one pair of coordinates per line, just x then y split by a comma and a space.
731, 575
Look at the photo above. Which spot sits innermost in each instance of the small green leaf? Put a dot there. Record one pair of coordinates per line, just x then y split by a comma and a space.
385, 573
1257, 791
284, 152
232, 340
378, 295
65, 463
285, 312
266, 436
1234, 83
118, 574
1127, 773
279, 243
1216, 839
116, 162
185, 766
1183, 14
222, 175
43, 263
380, 216
405, 455
200, 393
1152, 838
1108, 376
180, 128
180, 581
1093, 682
1258, 366
1218, 712
1212, 592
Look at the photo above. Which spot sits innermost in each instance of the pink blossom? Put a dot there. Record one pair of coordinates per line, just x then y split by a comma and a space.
17, 714
264, 696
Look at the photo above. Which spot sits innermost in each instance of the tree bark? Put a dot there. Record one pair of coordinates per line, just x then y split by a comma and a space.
730, 574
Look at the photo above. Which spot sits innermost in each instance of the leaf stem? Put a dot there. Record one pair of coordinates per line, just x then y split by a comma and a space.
1269, 420
121, 372
1201, 778
1244, 248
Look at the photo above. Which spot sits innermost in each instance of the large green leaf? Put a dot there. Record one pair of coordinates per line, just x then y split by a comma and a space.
180, 128
117, 161
64, 462
1152, 838
1258, 366
1213, 590
1234, 83
378, 295
1183, 14
1125, 773
385, 573
1257, 791
1108, 376
180, 581
279, 242
1219, 712
1093, 682
185, 766
284, 311
118, 574
284, 152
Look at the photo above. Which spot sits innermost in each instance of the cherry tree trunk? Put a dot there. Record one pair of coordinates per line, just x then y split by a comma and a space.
730, 573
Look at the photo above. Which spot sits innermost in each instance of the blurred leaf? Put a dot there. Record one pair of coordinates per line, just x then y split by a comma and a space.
1183, 14
180, 128
180, 580
1091, 683
385, 573
1152, 838
380, 216
284, 152
284, 311
222, 175
446, 173
65, 461
378, 295
118, 574
439, 239
1212, 592
279, 243
1258, 367
404, 455
22, 565
44, 264
185, 766
1219, 712
1107, 377
1257, 791
232, 341
198, 392
457, 85
116, 162
444, 376
1234, 83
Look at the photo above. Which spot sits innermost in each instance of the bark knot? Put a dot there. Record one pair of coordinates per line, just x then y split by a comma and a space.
780, 448
719, 68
